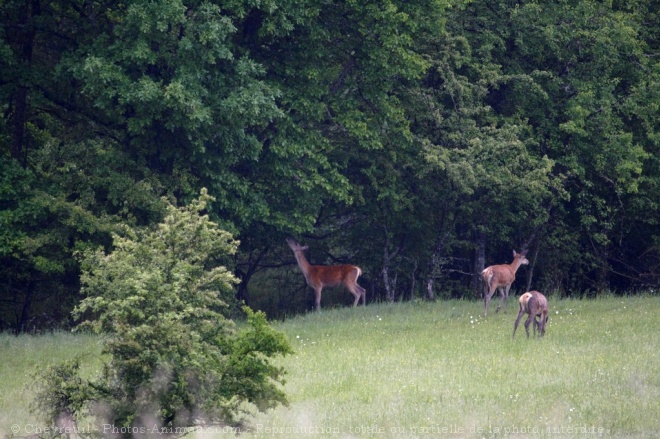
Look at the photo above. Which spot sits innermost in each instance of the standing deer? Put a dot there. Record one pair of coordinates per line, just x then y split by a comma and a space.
500, 277
536, 305
321, 276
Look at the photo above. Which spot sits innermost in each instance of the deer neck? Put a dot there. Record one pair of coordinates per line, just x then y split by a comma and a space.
302, 262
515, 265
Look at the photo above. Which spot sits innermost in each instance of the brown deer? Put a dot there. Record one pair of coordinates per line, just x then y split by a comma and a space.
536, 305
321, 276
500, 277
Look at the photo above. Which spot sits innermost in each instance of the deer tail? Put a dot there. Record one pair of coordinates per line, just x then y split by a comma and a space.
487, 275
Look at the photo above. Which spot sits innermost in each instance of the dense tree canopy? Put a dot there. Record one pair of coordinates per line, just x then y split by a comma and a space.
418, 139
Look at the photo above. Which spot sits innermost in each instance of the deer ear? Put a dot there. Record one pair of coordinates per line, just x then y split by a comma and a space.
514, 253
305, 247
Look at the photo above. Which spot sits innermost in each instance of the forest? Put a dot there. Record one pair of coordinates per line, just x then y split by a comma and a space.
419, 139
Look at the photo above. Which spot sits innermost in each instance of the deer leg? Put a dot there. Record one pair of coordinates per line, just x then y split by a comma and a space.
506, 297
354, 291
527, 322
502, 296
317, 298
542, 322
521, 312
488, 293
363, 294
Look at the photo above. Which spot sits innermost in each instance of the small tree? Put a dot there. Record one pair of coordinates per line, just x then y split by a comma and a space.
175, 357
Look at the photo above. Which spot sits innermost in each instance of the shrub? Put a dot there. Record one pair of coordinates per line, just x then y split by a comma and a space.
175, 357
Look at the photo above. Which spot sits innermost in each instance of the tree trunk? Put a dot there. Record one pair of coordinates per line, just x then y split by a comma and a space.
385, 272
19, 96
440, 241
479, 262
430, 282
413, 277
388, 257
530, 270
253, 263
23, 319
438, 246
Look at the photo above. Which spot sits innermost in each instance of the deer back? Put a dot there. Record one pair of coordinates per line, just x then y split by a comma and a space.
333, 275
504, 274
537, 304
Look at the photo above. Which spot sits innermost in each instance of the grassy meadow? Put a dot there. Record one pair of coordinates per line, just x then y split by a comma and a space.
21, 357
422, 370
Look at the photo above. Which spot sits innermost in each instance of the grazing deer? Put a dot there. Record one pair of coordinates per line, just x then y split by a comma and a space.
321, 276
536, 305
500, 277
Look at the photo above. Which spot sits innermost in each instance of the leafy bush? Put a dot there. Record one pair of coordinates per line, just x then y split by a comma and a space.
175, 357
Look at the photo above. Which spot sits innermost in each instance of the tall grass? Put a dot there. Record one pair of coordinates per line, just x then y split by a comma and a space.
442, 370
418, 370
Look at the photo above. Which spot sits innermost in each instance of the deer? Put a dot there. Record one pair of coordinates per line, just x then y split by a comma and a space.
536, 305
321, 276
500, 277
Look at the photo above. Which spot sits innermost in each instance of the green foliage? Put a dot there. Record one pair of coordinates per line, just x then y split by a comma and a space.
569, 73
62, 396
72, 197
161, 299
429, 130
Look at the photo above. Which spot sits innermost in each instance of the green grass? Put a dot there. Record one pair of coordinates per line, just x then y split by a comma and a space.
418, 370
410, 370
21, 357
